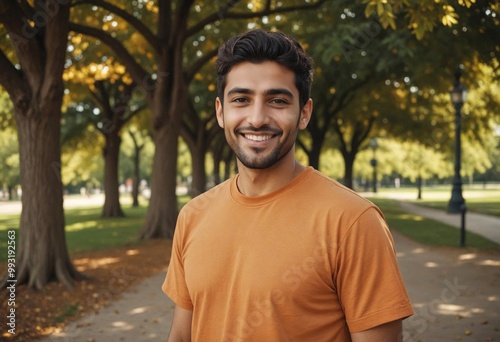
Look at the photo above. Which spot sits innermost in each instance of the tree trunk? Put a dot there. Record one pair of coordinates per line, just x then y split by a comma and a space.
419, 187
10, 192
168, 105
217, 159
162, 210
315, 153
137, 176
42, 255
137, 170
36, 90
199, 184
349, 167
111, 152
228, 160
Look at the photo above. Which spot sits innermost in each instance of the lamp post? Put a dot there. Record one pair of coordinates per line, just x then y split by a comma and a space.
373, 162
458, 96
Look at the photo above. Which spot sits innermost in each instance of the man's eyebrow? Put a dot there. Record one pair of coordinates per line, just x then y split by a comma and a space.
238, 90
273, 91
278, 91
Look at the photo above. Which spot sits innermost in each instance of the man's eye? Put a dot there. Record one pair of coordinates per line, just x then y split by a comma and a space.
239, 100
279, 101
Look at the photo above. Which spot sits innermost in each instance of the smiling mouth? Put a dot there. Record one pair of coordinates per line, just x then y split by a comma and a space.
254, 137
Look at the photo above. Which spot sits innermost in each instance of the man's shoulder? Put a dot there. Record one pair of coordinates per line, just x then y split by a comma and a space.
332, 190
330, 185
207, 199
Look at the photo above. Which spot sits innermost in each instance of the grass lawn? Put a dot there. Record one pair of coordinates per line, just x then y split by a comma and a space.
484, 201
485, 205
86, 230
428, 232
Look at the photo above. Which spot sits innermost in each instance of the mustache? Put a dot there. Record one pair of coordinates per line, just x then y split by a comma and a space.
262, 129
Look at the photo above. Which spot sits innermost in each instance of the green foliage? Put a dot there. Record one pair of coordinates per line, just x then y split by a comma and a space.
332, 163
9, 155
421, 17
81, 160
6, 111
127, 151
412, 160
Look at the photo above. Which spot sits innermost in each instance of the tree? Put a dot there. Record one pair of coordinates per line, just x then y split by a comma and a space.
222, 155
199, 127
82, 162
113, 99
33, 78
417, 162
353, 58
171, 71
403, 72
421, 17
137, 173
92, 70
198, 133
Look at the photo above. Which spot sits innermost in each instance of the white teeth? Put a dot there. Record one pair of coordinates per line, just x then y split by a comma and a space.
258, 137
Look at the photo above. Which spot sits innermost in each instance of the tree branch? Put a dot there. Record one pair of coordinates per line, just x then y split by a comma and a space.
27, 9
25, 40
102, 97
129, 18
301, 144
10, 77
55, 45
199, 63
132, 113
181, 17
164, 21
361, 132
138, 74
226, 14
134, 139
212, 17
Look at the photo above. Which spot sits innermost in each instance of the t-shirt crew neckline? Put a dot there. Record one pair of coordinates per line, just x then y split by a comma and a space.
238, 197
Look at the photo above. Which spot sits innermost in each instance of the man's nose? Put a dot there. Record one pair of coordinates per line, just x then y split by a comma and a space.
258, 115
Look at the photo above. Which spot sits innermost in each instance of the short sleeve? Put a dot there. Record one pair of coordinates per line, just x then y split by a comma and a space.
174, 285
370, 287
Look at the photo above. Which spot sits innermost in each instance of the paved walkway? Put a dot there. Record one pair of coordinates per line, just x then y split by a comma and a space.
484, 225
455, 294
141, 314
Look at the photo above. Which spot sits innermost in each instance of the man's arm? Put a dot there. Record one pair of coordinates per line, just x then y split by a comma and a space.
388, 332
181, 325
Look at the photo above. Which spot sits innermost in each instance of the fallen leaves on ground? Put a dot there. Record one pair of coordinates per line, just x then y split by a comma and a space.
110, 273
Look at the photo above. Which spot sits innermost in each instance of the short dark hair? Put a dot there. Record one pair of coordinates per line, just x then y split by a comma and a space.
258, 46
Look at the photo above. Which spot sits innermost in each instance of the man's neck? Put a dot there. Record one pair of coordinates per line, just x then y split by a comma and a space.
260, 182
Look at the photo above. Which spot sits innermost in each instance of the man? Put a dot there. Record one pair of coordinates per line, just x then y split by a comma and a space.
279, 252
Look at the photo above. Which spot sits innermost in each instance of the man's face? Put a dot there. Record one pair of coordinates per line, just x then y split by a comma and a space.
260, 114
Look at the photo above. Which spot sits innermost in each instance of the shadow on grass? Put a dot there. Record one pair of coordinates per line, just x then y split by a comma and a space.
86, 230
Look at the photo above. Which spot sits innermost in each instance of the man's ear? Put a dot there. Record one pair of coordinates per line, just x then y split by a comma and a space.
219, 112
305, 114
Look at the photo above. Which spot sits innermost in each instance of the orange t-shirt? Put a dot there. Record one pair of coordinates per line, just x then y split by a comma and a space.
312, 261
